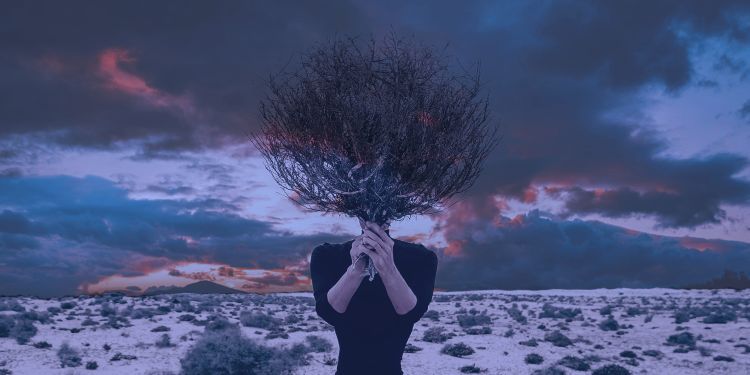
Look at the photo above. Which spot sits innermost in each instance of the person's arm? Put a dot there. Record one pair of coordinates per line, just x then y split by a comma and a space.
421, 285
332, 289
341, 294
401, 295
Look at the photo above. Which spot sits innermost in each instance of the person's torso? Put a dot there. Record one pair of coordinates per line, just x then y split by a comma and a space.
371, 342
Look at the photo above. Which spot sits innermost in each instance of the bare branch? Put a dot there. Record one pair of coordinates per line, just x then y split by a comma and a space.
380, 131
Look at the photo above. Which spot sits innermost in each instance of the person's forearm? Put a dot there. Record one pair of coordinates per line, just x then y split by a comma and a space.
341, 293
401, 296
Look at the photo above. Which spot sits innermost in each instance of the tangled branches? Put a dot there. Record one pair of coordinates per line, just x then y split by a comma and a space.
379, 132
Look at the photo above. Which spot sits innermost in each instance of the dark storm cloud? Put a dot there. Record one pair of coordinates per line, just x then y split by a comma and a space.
728, 63
91, 221
13, 222
57, 266
555, 72
170, 185
213, 57
627, 44
17, 232
744, 112
537, 252
683, 204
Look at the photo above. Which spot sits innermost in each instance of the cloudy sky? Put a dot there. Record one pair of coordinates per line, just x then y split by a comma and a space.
124, 159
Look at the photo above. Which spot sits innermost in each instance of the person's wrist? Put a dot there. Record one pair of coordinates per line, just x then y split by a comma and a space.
389, 272
353, 271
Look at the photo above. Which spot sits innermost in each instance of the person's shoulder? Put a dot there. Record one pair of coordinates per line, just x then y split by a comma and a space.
331, 248
418, 250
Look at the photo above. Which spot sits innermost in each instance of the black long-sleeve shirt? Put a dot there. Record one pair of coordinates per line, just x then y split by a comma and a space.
370, 334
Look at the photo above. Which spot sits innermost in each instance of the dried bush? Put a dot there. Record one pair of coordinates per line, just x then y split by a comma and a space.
533, 359
69, 356
457, 350
23, 330
517, 315
609, 324
611, 369
259, 320
379, 133
164, 341
318, 344
431, 314
574, 363
227, 351
470, 320
436, 335
557, 339
555, 312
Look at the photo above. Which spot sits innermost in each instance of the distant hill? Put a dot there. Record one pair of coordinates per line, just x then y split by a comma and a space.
730, 280
200, 287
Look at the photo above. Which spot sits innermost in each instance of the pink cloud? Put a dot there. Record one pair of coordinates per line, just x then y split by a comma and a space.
110, 63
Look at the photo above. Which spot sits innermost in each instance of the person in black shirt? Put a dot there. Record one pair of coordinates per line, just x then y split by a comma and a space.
370, 330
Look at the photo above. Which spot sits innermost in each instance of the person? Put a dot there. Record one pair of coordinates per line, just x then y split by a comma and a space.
372, 319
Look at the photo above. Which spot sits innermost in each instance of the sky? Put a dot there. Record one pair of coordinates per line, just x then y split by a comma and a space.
125, 161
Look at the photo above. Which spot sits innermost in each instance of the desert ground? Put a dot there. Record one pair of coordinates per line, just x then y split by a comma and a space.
600, 331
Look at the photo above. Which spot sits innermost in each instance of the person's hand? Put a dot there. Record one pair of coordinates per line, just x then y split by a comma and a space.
357, 254
379, 247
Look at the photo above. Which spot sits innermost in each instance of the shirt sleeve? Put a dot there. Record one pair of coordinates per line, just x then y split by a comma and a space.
324, 276
422, 283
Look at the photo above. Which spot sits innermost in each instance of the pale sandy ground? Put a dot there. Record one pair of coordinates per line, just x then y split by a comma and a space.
495, 353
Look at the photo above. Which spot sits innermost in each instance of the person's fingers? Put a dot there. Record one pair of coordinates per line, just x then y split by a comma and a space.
371, 243
385, 247
357, 262
377, 230
356, 250
355, 246
373, 238
373, 254
374, 257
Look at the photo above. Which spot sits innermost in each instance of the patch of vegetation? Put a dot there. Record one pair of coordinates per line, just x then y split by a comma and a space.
259, 320
574, 363
431, 314
121, 357
557, 339
227, 351
457, 350
318, 344
555, 312
470, 320
483, 330
17, 327
409, 348
533, 359
517, 315
553, 370
685, 339
470, 369
611, 369
68, 356
42, 345
653, 353
609, 324
164, 341
436, 335
720, 317
634, 310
